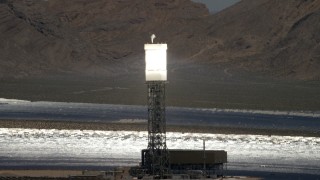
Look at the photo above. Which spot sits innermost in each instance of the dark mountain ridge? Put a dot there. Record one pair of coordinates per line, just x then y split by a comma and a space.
106, 37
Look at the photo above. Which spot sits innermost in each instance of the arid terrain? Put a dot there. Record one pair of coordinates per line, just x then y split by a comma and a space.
254, 55
279, 38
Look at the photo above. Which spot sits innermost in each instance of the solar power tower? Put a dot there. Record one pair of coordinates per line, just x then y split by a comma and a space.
157, 159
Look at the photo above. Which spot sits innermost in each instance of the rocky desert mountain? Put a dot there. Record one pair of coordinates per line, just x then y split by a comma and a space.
90, 37
279, 37
106, 37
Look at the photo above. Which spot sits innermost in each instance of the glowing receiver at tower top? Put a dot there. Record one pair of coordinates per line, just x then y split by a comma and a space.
156, 62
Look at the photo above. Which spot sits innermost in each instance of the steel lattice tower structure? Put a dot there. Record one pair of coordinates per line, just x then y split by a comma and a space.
157, 159
157, 147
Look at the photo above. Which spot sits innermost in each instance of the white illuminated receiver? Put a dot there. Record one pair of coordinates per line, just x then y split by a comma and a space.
156, 62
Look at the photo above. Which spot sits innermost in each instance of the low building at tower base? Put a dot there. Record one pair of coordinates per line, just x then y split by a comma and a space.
187, 164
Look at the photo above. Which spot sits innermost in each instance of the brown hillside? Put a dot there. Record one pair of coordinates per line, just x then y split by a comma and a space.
106, 37
80, 36
279, 37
